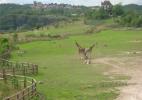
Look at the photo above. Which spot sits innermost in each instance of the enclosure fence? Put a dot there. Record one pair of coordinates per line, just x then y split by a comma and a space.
15, 74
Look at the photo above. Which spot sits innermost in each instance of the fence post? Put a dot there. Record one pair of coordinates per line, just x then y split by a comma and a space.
35, 86
25, 82
4, 76
17, 97
24, 69
2, 63
32, 87
36, 69
17, 65
7, 98
12, 64
28, 68
13, 71
23, 95
33, 69
28, 92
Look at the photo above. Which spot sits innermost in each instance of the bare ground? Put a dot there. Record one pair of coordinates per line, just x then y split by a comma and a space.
130, 66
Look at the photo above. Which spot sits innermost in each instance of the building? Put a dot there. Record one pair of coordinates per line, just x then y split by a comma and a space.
37, 4
95, 7
106, 5
50, 5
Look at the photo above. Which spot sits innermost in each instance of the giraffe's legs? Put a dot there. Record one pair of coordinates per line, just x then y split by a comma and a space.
87, 61
81, 56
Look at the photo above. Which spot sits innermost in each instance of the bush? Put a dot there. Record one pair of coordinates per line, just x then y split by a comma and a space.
130, 19
4, 45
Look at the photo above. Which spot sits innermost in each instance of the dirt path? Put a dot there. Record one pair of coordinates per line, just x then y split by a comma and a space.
131, 66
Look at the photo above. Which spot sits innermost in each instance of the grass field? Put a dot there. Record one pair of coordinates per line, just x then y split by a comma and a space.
64, 76
63, 29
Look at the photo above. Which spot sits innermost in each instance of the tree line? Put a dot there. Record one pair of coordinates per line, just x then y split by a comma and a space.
14, 17
121, 15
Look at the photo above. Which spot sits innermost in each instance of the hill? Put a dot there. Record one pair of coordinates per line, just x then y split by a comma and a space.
14, 17
133, 7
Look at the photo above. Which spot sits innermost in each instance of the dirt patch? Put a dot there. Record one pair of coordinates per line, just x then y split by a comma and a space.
135, 41
131, 52
130, 66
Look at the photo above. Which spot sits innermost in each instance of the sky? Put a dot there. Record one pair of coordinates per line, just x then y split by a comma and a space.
74, 2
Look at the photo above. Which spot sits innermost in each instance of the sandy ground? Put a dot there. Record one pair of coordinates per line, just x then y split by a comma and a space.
130, 66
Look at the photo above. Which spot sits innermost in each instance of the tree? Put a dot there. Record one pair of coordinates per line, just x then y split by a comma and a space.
101, 14
97, 14
131, 19
4, 45
117, 10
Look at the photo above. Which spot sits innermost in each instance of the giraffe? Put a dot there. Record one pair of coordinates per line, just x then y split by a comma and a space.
85, 53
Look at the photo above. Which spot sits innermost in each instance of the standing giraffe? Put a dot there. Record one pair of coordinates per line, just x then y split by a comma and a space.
85, 53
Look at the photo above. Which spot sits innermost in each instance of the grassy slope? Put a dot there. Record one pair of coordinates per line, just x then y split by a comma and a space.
63, 74
63, 28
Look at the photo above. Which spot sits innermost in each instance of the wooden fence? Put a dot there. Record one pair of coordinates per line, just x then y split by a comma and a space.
18, 68
5, 55
28, 88
10, 69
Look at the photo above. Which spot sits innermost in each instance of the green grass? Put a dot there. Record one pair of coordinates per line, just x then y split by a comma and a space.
64, 75
100, 22
63, 29
6, 89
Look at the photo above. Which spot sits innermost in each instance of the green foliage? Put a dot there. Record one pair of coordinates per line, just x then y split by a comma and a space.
24, 17
120, 15
97, 14
26, 22
133, 7
15, 37
15, 82
117, 10
4, 45
131, 19
101, 14
4, 90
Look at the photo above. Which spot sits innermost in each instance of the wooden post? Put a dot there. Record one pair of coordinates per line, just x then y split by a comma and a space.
12, 64
24, 69
36, 69
23, 94
17, 97
25, 82
13, 71
32, 87
28, 68
35, 86
28, 92
7, 63
3, 63
33, 69
4, 76
17, 65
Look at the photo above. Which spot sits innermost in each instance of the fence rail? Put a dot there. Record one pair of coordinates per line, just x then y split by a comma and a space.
19, 68
10, 69
27, 92
5, 55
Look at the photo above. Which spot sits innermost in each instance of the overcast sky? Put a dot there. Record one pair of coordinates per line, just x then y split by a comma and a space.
74, 2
